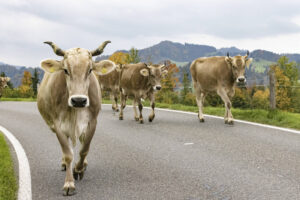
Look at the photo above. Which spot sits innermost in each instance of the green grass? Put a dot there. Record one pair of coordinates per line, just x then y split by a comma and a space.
276, 118
8, 183
17, 99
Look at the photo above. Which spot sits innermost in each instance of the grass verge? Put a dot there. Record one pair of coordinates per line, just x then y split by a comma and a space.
276, 118
8, 183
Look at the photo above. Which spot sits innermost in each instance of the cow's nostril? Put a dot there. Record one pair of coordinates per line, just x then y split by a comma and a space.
78, 101
241, 79
158, 87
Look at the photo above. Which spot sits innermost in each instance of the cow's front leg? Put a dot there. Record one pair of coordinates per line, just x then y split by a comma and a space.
69, 186
152, 104
140, 109
113, 104
123, 104
85, 140
136, 117
228, 116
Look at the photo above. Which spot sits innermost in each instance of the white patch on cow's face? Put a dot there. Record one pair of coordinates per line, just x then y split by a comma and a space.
156, 74
77, 66
238, 68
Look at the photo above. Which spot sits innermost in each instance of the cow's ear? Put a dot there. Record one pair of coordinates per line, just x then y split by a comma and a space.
144, 72
228, 60
51, 65
248, 61
119, 67
103, 67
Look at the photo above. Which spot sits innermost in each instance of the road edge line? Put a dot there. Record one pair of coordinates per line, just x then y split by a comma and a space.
218, 117
24, 189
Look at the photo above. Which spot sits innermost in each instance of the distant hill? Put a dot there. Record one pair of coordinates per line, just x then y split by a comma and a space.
16, 73
182, 55
177, 52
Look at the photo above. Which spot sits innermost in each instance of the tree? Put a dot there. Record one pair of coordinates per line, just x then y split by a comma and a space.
119, 57
35, 81
283, 84
133, 56
25, 89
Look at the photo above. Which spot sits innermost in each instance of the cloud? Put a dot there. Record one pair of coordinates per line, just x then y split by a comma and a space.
25, 24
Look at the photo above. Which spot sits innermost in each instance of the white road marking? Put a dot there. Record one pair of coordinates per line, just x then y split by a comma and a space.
24, 191
188, 143
236, 120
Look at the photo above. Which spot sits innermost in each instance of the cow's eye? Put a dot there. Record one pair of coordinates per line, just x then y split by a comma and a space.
66, 71
90, 71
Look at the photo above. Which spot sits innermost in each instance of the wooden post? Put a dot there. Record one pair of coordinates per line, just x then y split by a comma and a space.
272, 88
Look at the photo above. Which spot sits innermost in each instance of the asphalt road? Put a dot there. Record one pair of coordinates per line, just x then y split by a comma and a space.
174, 157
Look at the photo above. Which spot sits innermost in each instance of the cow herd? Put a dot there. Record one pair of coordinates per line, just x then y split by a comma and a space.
69, 96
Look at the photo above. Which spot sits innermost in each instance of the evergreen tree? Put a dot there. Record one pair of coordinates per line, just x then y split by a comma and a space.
133, 56
186, 85
35, 81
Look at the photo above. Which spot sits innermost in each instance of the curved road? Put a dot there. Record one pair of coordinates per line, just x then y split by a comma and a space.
175, 157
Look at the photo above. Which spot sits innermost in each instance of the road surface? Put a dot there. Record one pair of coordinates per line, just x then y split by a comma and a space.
174, 157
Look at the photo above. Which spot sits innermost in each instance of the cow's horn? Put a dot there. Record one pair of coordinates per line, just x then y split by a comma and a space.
99, 50
247, 52
228, 54
58, 51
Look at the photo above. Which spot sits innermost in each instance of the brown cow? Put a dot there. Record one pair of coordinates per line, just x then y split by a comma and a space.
69, 100
218, 74
3, 83
141, 81
111, 82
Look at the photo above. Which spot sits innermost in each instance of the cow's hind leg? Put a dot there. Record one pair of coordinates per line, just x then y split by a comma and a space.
228, 116
85, 140
152, 104
140, 109
200, 100
112, 98
136, 117
123, 104
69, 186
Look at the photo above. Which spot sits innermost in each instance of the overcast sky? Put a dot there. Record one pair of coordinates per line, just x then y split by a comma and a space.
255, 24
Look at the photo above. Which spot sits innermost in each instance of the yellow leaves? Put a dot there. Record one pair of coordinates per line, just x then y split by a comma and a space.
260, 99
119, 58
26, 80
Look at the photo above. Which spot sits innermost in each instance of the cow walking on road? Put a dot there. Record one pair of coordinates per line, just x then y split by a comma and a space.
141, 81
3, 84
69, 100
218, 74
111, 82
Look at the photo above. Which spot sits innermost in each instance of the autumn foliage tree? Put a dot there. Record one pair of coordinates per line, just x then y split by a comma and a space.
26, 89
168, 83
119, 57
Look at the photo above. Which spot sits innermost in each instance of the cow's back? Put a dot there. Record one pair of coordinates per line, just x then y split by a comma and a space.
131, 78
210, 72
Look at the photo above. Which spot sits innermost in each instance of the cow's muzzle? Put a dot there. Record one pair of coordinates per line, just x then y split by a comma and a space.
241, 79
78, 101
157, 87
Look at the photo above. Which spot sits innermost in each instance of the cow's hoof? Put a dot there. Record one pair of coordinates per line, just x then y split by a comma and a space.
136, 118
201, 120
63, 167
151, 118
117, 110
226, 121
69, 189
120, 117
78, 175
141, 121
230, 122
